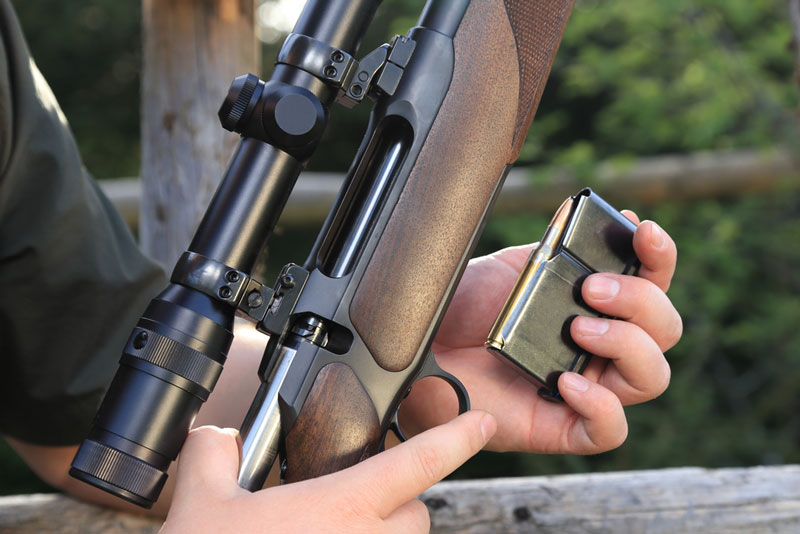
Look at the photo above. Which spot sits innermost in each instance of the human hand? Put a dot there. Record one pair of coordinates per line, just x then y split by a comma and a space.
630, 369
377, 495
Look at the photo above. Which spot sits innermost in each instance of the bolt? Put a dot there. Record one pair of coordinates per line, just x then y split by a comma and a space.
140, 340
232, 277
254, 299
330, 71
356, 90
337, 56
287, 280
225, 292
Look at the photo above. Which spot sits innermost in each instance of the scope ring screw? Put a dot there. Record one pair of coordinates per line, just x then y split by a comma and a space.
232, 277
330, 71
225, 292
356, 90
254, 299
140, 340
287, 280
337, 56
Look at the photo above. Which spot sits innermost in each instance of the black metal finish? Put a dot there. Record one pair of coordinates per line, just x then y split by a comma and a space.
431, 369
287, 290
238, 105
443, 16
168, 368
223, 283
380, 165
285, 116
317, 58
175, 354
247, 205
320, 330
340, 23
211, 277
358, 87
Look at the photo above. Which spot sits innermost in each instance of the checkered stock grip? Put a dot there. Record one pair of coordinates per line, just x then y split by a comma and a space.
538, 26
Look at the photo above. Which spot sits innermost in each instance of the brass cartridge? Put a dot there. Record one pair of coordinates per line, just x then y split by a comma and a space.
520, 294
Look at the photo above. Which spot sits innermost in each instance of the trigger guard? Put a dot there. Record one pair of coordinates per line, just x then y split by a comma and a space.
430, 368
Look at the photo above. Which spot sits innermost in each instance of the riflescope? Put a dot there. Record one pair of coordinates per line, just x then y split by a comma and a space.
176, 352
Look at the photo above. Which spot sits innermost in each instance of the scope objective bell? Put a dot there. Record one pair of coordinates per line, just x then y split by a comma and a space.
168, 368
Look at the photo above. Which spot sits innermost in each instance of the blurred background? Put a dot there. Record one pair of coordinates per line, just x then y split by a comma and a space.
675, 95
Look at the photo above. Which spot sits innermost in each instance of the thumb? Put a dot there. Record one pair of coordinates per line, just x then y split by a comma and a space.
208, 463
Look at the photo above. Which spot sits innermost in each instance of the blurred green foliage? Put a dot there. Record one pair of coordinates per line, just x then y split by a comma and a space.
655, 77
631, 79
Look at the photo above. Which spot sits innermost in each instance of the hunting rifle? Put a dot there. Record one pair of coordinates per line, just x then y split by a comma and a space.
350, 330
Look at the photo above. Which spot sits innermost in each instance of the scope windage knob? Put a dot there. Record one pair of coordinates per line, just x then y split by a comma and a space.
240, 101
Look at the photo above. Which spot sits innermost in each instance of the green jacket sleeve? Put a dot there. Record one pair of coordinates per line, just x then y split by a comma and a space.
72, 280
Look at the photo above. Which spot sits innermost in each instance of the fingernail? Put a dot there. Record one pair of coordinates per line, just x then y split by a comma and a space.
656, 235
591, 326
575, 382
602, 288
488, 427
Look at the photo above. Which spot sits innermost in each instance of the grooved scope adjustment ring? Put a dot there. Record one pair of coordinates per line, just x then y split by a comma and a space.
236, 103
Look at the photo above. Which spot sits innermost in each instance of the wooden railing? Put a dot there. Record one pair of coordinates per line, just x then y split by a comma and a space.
667, 501
645, 180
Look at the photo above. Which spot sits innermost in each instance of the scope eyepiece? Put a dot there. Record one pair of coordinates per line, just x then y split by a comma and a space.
118, 473
168, 368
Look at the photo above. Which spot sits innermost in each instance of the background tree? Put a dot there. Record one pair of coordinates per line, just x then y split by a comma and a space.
192, 52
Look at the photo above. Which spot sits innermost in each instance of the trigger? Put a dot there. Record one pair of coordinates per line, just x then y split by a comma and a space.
394, 426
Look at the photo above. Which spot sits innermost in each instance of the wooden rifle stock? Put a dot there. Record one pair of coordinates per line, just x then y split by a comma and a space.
503, 51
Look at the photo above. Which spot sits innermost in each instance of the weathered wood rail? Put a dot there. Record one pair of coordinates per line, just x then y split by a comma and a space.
646, 180
669, 501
